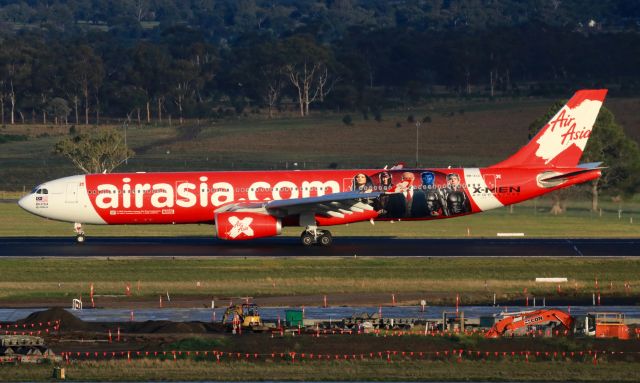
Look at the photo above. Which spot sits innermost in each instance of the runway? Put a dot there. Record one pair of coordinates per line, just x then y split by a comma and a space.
289, 246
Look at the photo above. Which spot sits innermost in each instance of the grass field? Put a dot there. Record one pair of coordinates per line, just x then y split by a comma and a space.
476, 279
376, 370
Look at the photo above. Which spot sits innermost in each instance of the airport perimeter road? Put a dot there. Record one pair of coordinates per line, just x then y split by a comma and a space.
288, 247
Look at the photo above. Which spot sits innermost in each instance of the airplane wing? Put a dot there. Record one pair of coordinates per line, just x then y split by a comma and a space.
331, 205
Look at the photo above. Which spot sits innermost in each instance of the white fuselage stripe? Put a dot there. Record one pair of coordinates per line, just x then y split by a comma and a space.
485, 198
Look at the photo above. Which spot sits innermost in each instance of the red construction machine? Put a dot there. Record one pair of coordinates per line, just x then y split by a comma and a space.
522, 320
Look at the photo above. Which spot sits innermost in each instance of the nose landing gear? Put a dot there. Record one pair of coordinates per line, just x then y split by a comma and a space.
80, 237
314, 236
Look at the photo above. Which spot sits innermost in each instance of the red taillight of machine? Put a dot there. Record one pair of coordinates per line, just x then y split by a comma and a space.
241, 226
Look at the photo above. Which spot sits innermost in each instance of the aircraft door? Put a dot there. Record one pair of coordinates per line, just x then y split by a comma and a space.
72, 193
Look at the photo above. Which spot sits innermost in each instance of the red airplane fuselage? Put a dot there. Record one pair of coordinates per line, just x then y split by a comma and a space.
253, 204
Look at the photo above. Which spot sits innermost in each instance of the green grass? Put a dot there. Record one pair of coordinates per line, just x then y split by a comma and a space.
368, 370
475, 278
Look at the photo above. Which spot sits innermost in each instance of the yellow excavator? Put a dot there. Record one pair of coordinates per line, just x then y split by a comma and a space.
246, 315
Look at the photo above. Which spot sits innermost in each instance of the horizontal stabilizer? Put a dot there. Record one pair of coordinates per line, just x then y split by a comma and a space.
568, 175
591, 165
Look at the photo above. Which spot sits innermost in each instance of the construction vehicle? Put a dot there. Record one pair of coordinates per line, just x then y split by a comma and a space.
525, 319
245, 315
606, 325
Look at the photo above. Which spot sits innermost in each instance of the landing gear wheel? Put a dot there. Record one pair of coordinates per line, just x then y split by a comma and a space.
77, 227
325, 239
307, 238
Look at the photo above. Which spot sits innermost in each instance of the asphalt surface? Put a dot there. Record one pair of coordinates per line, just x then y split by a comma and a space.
287, 247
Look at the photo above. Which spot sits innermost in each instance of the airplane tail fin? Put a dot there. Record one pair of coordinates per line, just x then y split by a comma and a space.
561, 141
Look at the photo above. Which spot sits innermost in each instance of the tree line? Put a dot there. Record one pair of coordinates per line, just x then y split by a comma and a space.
49, 76
226, 19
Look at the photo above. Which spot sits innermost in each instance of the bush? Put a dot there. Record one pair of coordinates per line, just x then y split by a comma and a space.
426, 119
12, 137
189, 132
398, 124
377, 116
411, 118
347, 120
196, 343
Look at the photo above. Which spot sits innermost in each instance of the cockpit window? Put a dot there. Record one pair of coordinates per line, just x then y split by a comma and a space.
39, 191
45, 191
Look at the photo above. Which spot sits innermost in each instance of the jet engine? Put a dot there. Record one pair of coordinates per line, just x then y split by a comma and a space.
236, 226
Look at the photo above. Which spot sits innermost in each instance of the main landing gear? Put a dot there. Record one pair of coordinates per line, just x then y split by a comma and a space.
77, 227
315, 236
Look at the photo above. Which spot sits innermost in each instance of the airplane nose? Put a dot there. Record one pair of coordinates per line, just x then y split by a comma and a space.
24, 202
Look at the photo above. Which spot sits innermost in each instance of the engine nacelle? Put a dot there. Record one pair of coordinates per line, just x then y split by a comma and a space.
237, 226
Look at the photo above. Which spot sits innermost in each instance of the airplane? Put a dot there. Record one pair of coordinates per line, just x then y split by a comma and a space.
245, 205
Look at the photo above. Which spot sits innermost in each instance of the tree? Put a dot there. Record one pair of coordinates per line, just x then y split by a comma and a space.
59, 109
608, 144
258, 64
308, 71
16, 63
95, 153
87, 75
149, 73
620, 154
185, 75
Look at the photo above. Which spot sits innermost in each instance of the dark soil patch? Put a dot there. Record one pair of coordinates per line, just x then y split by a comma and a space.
167, 327
68, 321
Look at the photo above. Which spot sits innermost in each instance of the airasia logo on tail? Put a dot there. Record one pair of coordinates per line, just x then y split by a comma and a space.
240, 226
568, 127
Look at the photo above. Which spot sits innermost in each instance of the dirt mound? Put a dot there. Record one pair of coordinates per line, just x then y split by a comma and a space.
68, 321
